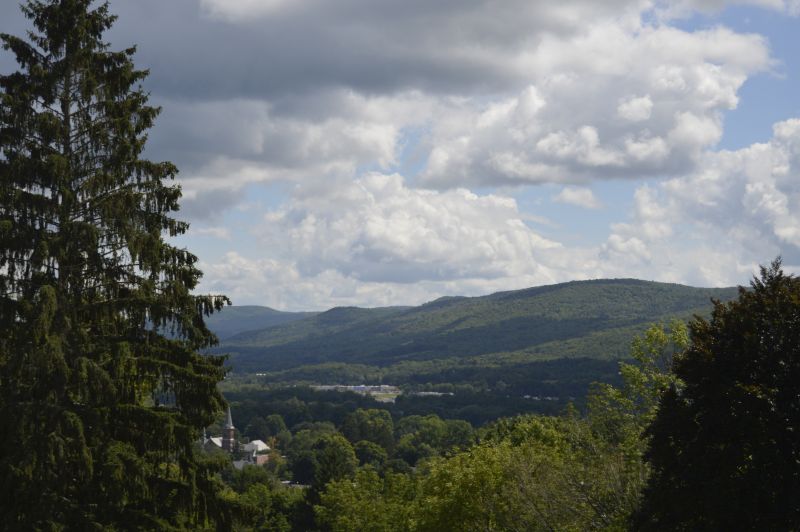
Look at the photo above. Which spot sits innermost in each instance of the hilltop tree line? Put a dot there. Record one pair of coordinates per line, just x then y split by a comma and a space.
103, 391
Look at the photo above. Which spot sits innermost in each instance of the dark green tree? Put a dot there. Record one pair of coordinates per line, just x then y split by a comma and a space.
257, 429
274, 425
370, 453
725, 450
370, 424
102, 390
335, 460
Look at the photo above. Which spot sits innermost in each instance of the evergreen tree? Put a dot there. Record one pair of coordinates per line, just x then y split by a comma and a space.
102, 390
725, 450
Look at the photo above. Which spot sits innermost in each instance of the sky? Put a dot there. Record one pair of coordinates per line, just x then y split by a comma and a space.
390, 152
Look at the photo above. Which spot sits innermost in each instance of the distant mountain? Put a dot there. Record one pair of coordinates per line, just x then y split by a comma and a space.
238, 319
581, 319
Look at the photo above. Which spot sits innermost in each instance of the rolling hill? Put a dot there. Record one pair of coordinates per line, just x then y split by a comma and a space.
581, 319
234, 320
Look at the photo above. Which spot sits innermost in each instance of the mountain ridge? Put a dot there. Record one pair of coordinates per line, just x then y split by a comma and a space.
562, 318
236, 319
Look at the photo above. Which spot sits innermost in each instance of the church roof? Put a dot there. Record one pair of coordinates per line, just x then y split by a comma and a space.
256, 445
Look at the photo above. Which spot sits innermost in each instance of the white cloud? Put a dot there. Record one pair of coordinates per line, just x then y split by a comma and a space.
738, 209
378, 242
216, 232
378, 229
332, 96
580, 196
243, 9
635, 109
279, 284
672, 87
683, 8
514, 92
254, 142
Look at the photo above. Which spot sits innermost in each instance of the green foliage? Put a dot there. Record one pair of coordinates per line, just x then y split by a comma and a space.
369, 453
257, 502
562, 472
275, 425
427, 436
539, 473
259, 428
102, 391
260, 500
368, 503
335, 460
295, 405
371, 425
319, 454
465, 492
625, 411
247, 477
724, 448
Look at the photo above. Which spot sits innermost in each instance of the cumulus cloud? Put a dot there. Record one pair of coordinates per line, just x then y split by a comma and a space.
579, 196
346, 129
254, 142
378, 229
635, 109
682, 8
279, 284
515, 92
217, 232
671, 88
736, 210
379, 242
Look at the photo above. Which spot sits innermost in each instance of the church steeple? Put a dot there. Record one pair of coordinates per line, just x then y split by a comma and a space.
229, 434
229, 421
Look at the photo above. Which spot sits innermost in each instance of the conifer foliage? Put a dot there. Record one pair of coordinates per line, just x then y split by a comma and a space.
97, 321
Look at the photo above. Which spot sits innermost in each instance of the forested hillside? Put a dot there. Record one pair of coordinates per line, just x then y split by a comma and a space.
594, 319
242, 318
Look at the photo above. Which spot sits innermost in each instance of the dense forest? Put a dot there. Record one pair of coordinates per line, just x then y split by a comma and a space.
110, 385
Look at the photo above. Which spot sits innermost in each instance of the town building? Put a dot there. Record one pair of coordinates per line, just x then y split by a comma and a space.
254, 452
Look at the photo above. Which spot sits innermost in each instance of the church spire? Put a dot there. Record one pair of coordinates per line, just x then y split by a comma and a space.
229, 434
229, 421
